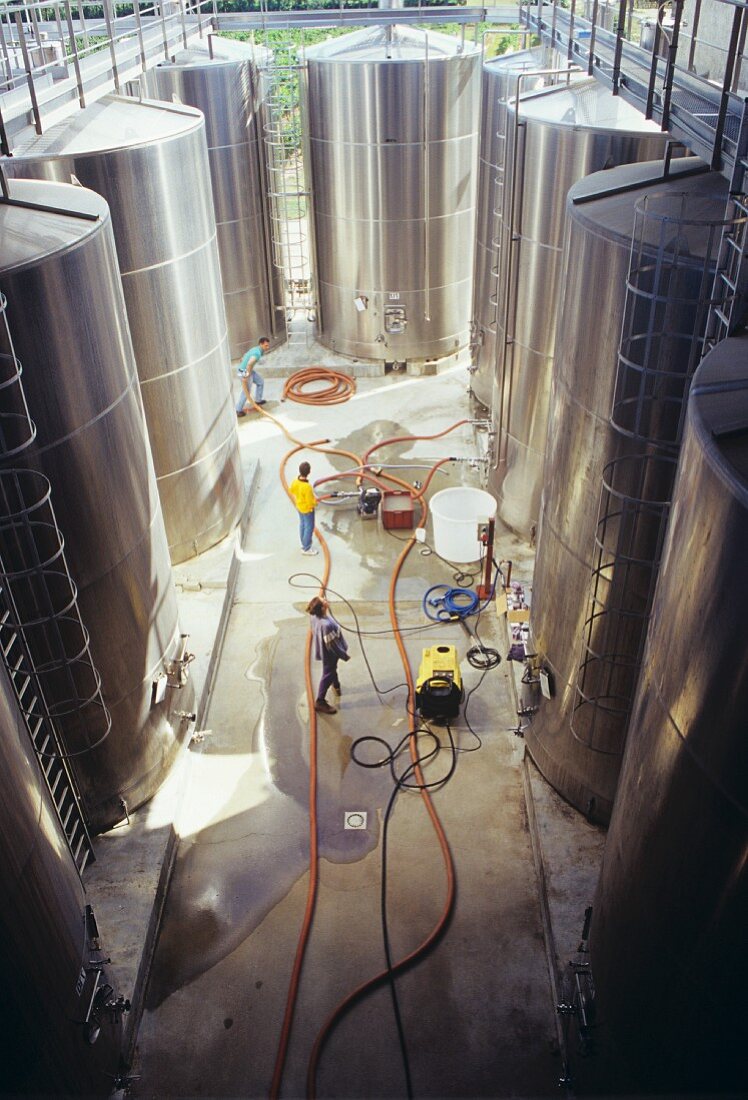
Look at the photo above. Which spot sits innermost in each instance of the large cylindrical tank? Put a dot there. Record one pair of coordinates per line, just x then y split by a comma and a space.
607, 485
566, 133
47, 950
392, 116
68, 324
499, 84
227, 89
668, 934
149, 161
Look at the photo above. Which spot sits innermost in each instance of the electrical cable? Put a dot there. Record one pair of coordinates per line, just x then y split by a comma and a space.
401, 782
465, 718
462, 577
438, 931
480, 656
364, 654
304, 933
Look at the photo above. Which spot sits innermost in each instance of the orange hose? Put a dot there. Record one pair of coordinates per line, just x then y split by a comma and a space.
311, 897
409, 438
340, 387
352, 473
439, 928
304, 933
311, 900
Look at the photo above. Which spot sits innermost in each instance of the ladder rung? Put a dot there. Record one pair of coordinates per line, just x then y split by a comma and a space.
33, 730
68, 815
78, 847
21, 691
54, 784
13, 639
733, 243
724, 319
728, 282
42, 748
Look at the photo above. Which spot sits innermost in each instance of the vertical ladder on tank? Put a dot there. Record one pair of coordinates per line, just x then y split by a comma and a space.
288, 192
41, 729
731, 281
43, 641
657, 356
731, 285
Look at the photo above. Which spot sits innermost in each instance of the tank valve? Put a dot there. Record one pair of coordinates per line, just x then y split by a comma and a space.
177, 669
104, 1002
122, 1082
188, 715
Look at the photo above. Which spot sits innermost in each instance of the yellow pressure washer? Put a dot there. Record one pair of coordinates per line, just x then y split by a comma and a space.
439, 689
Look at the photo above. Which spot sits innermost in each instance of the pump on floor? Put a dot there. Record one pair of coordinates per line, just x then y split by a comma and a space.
439, 690
368, 502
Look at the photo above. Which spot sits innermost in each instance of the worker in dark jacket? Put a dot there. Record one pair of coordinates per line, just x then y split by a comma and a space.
328, 646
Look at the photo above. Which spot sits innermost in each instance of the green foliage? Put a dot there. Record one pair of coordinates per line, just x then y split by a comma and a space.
288, 44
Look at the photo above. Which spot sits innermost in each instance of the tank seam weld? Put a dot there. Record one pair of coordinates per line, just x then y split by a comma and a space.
171, 260
198, 461
186, 366
40, 450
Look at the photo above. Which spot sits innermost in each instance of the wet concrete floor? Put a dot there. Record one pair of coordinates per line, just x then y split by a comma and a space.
478, 1011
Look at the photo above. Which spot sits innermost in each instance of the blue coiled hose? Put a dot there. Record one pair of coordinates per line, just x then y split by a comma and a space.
451, 602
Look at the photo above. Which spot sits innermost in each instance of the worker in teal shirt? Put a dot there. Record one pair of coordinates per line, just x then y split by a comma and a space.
250, 375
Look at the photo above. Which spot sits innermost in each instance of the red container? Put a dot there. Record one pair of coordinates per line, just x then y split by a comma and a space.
397, 509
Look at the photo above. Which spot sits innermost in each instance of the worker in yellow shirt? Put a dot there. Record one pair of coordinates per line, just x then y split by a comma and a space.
305, 501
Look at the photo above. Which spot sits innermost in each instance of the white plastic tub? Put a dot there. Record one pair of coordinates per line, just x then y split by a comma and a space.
457, 515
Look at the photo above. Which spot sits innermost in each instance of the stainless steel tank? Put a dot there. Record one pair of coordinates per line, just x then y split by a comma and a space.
566, 133
668, 933
58, 271
499, 85
226, 87
636, 296
392, 116
47, 950
150, 163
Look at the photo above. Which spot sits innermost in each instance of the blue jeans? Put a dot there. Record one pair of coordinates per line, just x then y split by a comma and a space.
259, 383
329, 676
306, 529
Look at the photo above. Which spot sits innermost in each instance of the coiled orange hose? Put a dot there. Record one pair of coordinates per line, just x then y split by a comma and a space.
340, 387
